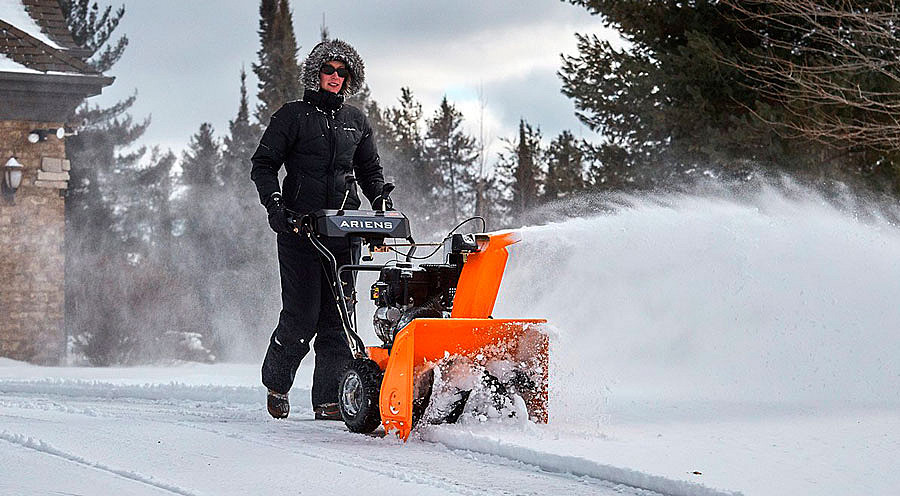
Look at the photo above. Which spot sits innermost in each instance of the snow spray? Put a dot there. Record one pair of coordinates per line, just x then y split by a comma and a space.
776, 297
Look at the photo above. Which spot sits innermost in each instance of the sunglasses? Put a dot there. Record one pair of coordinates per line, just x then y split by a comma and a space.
329, 69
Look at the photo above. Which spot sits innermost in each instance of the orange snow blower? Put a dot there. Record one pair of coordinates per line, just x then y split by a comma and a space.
434, 319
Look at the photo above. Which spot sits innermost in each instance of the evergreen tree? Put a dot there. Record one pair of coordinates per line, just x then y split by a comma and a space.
91, 30
362, 100
377, 120
666, 107
202, 161
565, 167
203, 217
221, 225
263, 68
323, 30
451, 155
402, 147
241, 142
520, 168
146, 197
277, 69
691, 96
103, 246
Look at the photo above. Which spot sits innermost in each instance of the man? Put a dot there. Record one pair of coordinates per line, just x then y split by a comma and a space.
320, 141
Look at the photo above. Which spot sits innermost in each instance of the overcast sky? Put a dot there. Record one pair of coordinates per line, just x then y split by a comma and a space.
185, 57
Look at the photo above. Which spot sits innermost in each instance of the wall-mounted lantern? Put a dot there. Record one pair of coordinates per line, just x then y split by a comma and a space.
12, 178
38, 135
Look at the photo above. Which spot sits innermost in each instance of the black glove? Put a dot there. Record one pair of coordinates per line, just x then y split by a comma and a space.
384, 202
278, 218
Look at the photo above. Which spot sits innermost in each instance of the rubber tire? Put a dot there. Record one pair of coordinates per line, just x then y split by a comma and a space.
363, 375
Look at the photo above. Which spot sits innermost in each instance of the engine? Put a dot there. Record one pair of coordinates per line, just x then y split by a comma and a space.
405, 292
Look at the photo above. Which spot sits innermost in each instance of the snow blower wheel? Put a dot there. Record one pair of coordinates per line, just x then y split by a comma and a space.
359, 396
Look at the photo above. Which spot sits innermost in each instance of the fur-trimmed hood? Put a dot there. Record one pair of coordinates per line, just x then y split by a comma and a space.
334, 50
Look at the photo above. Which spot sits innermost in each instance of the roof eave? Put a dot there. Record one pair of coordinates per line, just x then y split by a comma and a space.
46, 97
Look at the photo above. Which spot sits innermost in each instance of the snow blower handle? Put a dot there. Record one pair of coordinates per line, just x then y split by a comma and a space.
385, 197
294, 220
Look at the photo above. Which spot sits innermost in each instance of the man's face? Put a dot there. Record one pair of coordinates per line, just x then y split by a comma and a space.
333, 82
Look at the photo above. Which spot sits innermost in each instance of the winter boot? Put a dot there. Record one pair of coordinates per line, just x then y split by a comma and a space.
278, 405
328, 411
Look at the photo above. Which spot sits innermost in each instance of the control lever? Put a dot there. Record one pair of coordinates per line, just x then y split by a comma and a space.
349, 180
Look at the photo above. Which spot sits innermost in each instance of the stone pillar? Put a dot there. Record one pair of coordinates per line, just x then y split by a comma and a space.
32, 247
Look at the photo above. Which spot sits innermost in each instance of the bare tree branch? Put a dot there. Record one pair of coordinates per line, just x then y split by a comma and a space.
834, 65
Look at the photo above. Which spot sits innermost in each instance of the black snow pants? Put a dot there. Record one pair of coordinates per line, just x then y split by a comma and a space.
308, 310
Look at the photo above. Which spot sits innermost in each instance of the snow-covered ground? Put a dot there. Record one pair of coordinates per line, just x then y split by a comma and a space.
701, 347
136, 431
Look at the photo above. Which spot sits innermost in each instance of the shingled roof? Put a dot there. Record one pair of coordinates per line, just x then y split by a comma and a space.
26, 50
48, 15
46, 79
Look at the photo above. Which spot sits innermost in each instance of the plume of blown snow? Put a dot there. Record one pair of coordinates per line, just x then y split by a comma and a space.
776, 296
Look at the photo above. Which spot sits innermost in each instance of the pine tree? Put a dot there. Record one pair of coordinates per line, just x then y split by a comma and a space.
362, 100
400, 142
202, 161
240, 192
263, 68
221, 229
691, 96
277, 69
241, 142
204, 218
450, 155
102, 246
666, 108
323, 30
91, 30
565, 167
520, 169
148, 208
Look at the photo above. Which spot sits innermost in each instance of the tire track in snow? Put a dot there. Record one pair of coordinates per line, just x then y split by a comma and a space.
401, 471
173, 394
42, 447
411, 472
319, 453
342, 458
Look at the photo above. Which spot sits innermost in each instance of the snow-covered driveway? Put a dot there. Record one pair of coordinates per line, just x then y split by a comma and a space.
202, 430
96, 437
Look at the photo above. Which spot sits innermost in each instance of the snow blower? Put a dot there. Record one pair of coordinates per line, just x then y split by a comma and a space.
442, 354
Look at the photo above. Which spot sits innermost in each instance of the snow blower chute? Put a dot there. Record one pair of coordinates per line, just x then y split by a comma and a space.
433, 319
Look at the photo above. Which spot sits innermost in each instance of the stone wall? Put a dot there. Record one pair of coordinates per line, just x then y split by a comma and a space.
32, 244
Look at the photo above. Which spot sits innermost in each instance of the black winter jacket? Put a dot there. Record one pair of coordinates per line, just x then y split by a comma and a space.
319, 140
